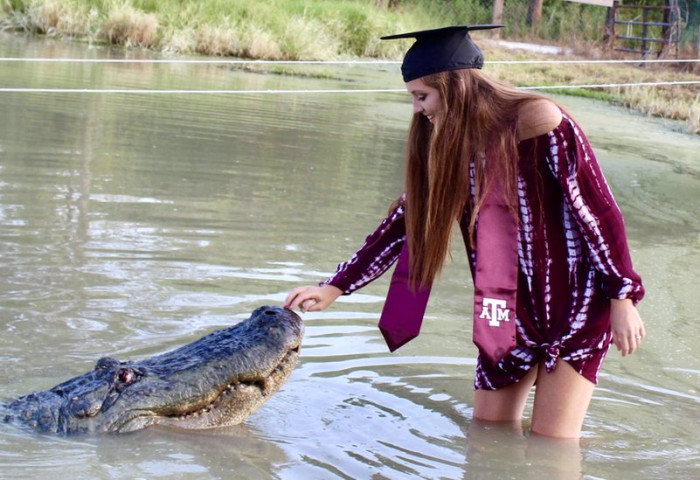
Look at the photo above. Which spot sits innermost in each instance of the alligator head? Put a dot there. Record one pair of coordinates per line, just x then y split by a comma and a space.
215, 381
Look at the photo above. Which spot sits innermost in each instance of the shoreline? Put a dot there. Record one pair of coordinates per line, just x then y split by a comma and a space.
352, 31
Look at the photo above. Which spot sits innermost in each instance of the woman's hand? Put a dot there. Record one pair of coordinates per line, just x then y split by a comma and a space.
312, 299
627, 326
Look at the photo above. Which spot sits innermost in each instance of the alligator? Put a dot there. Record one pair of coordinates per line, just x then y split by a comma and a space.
216, 381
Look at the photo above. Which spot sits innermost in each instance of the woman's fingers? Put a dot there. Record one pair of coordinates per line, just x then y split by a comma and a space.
308, 305
627, 344
311, 298
627, 326
296, 297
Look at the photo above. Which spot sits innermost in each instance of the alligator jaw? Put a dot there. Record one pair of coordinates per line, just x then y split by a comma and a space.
233, 403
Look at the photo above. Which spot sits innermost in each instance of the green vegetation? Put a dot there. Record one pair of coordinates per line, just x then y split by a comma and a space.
323, 30
272, 29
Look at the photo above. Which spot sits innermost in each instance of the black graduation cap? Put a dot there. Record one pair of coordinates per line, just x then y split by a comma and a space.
441, 50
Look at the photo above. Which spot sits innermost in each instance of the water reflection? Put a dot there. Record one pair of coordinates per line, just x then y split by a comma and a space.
131, 224
502, 450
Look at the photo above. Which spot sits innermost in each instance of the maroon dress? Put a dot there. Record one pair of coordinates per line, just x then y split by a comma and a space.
572, 252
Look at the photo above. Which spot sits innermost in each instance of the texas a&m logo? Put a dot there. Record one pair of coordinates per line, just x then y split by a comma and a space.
495, 311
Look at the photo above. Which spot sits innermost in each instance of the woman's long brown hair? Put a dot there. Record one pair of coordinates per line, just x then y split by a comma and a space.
478, 126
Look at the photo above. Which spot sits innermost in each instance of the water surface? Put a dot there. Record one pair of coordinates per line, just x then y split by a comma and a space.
133, 223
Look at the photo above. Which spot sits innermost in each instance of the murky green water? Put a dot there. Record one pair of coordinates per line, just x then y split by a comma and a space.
131, 224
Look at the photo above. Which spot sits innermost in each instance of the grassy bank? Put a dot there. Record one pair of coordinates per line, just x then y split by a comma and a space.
318, 29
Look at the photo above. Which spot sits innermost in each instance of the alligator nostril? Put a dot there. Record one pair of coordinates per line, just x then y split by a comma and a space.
270, 312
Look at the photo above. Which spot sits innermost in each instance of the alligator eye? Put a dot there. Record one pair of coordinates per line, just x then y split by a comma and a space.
105, 363
126, 375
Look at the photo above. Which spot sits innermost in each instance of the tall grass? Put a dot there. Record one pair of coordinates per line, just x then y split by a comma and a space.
567, 22
271, 29
125, 25
288, 29
282, 29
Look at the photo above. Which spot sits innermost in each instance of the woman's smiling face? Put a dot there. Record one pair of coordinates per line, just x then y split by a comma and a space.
426, 100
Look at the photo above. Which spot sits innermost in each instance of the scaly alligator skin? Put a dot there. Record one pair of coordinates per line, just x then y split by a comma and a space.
215, 381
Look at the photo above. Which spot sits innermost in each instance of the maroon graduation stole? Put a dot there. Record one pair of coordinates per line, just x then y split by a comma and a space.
496, 275
404, 308
495, 285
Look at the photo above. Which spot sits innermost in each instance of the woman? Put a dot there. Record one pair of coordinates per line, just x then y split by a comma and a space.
554, 283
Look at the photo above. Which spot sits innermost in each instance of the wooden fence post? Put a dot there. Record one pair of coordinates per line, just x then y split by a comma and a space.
497, 16
534, 12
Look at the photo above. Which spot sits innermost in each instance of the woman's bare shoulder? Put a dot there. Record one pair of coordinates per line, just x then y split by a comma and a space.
538, 117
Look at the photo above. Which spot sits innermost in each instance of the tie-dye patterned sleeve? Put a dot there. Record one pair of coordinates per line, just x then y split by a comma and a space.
375, 256
590, 204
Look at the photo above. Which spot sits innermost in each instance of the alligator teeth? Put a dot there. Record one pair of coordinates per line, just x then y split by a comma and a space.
262, 385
